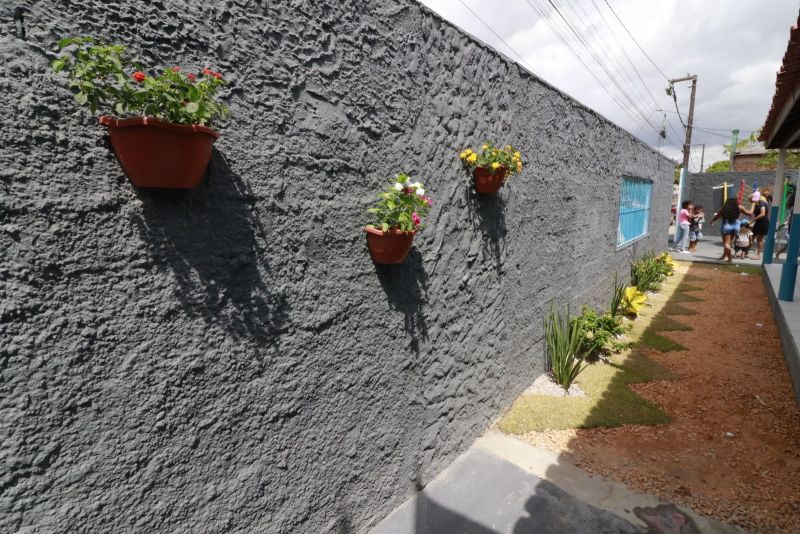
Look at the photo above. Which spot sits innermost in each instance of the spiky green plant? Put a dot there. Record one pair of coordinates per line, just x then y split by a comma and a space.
564, 337
617, 294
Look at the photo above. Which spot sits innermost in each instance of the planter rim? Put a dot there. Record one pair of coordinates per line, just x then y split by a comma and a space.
391, 231
108, 120
499, 169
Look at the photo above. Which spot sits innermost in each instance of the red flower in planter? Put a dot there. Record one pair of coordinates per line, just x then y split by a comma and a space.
191, 77
416, 219
139, 76
176, 69
208, 72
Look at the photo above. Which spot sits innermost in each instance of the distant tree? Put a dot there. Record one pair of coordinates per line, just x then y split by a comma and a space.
792, 159
742, 143
676, 176
719, 166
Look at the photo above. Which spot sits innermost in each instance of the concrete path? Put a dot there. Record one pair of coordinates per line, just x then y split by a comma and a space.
504, 486
709, 249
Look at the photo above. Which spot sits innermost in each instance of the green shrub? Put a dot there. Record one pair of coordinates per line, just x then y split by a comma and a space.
648, 272
564, 337
600, 332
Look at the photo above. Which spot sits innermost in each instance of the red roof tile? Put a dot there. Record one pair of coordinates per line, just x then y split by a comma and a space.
786, 80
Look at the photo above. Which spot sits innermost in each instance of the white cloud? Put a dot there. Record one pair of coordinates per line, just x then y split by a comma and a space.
735, 50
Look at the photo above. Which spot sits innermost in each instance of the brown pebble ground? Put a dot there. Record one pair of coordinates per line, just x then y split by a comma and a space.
732, 450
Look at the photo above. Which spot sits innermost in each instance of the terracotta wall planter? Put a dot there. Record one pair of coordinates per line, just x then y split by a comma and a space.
488, 183
389, 248
154, 153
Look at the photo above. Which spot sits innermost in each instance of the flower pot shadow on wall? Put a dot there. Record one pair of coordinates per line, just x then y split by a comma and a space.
155, 153
390, 247
488, 183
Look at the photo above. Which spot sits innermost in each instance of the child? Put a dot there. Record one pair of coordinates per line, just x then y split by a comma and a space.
682, 231
744, 238
696, 227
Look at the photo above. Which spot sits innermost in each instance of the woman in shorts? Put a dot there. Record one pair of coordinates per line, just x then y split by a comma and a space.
759, 224
730, 225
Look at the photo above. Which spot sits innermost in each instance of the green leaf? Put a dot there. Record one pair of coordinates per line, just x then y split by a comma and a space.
384, 227
119, 108
59, 64
81, 98
66, 41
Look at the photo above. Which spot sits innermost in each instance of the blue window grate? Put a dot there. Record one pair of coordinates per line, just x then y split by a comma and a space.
634, 209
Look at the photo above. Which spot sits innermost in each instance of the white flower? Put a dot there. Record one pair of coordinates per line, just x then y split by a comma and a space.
421, 192
416, 185
398, 186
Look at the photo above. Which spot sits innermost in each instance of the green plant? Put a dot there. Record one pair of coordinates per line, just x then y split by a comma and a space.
600, 332
648, 272
564, 337
401, 206
617, 293
632, 300
104, 77
493, 158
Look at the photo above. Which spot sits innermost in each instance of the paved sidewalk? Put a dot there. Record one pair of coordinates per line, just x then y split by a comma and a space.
505, 486
709, 249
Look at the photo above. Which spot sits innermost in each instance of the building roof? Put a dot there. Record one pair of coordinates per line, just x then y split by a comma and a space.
787, 87
755, 149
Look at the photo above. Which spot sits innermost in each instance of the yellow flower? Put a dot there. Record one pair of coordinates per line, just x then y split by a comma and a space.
517, 155
468, 151
463, 155
519, 166
495, 165
472, 158
485, 147
508, 148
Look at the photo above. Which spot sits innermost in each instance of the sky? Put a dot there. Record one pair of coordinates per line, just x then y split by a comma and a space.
734, 48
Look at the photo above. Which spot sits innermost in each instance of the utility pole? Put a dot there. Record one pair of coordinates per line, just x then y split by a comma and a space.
687, 143
702, 156
734, 142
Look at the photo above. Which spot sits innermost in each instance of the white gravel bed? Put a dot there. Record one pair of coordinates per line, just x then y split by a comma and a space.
544, 385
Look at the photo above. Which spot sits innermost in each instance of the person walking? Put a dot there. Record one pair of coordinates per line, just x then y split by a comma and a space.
682, 230
759, 223
729, 213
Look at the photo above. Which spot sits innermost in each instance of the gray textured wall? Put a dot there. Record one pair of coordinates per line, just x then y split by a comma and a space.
699, 188
229, 359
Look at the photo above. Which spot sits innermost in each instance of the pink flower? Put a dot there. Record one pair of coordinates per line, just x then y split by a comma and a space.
217, 75
427, 200
208, 72
139, 76
191, 77
176, 69
416, 219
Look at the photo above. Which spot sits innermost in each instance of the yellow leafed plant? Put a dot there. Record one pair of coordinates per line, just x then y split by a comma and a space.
667, 260
632, 301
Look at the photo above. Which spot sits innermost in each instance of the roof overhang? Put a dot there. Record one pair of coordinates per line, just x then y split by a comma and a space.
782, 126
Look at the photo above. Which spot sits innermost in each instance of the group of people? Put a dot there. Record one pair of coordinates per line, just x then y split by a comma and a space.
741, 227
690, 227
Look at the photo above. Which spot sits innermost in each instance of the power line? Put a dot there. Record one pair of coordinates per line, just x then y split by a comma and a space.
635, 41
594, 31
582, 41
624, 52
578, 57
501, 39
